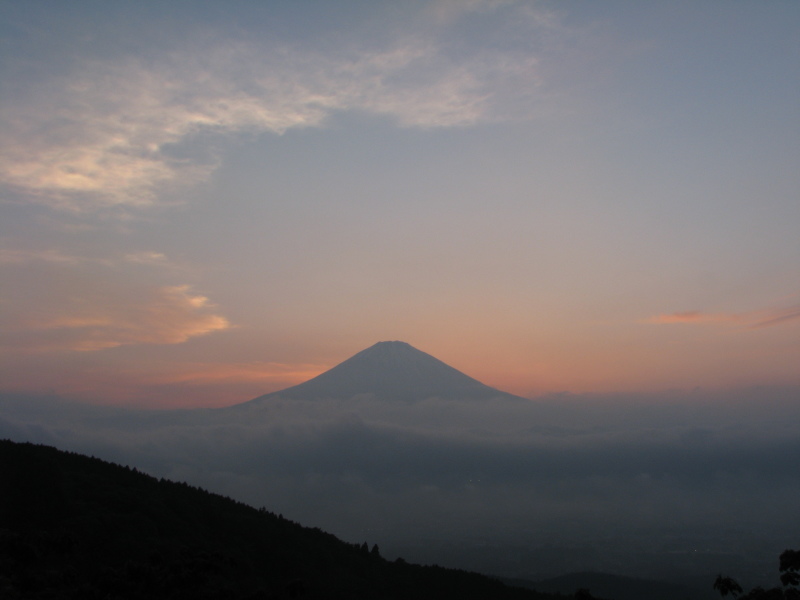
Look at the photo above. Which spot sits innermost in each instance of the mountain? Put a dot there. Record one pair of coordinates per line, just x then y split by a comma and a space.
392, 371
78, 527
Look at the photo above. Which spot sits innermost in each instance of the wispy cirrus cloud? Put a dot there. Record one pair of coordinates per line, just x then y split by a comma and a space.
757, 319
117, 133
149, 258
11, 256
695, 317
777, 317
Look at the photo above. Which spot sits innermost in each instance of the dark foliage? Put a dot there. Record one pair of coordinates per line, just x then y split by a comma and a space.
789, 566
77, 527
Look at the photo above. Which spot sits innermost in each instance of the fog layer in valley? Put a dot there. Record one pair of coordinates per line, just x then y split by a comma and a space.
672, 485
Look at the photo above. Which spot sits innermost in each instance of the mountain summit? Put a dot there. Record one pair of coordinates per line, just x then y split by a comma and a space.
391, 371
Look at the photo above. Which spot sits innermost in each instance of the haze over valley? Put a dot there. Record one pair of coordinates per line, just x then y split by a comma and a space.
396, 447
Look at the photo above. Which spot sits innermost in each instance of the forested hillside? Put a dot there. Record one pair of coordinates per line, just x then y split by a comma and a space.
78, 527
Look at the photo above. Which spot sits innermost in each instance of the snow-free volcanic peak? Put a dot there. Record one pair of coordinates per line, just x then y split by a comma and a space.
392, 371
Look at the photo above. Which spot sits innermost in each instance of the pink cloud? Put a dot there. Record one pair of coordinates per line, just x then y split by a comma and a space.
695, 317
752, 320
165, 315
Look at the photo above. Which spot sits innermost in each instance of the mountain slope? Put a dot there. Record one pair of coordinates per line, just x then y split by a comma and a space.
77, 527
392, 371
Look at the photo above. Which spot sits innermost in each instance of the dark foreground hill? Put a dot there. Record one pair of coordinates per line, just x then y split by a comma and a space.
78, 527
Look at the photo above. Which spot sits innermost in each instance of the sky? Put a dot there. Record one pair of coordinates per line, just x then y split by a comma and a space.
202, 202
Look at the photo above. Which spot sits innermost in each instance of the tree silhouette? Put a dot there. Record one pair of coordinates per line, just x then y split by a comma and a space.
727, 585
790, 578
790, 568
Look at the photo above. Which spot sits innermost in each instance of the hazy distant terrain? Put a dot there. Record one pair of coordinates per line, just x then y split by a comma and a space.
77, 527
677, 486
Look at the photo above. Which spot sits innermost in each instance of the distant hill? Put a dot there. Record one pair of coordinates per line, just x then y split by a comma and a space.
391, 371
604, 585
78, 527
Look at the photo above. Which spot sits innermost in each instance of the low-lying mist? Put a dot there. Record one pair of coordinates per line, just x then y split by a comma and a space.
610, 476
